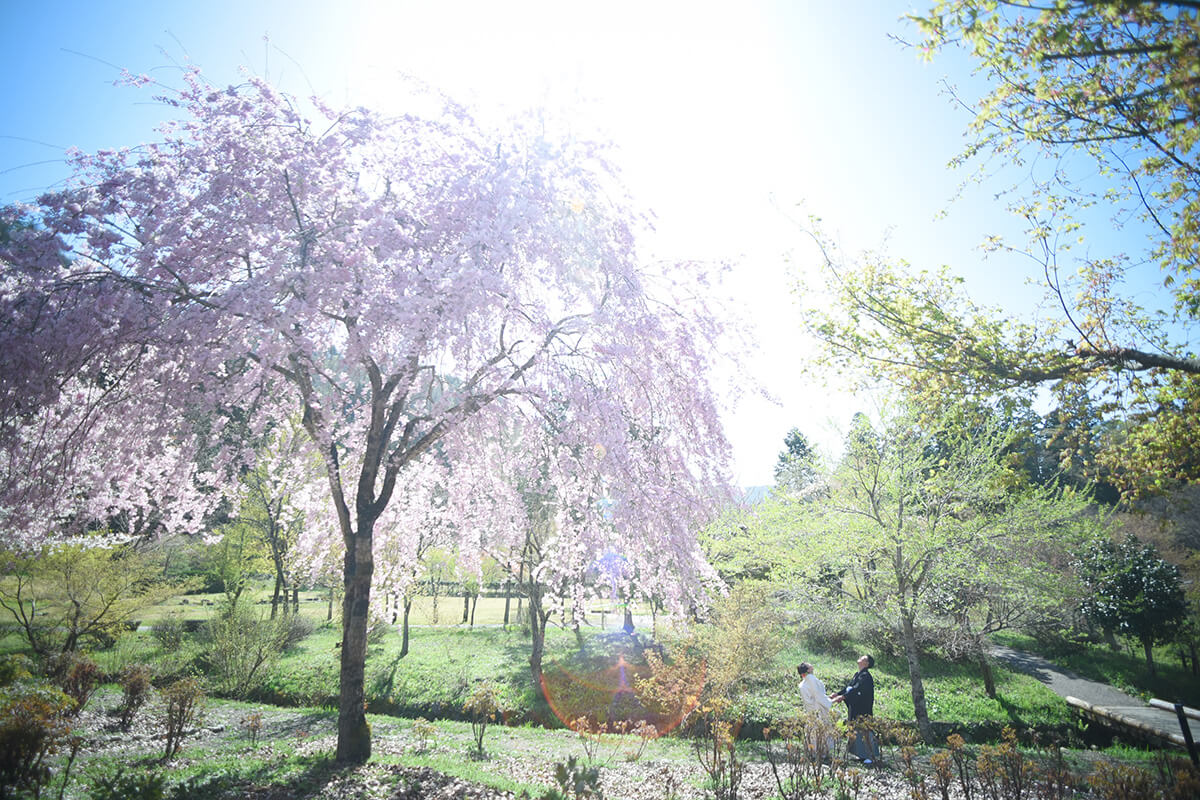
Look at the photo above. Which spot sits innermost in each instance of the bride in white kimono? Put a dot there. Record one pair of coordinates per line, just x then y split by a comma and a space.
818, 706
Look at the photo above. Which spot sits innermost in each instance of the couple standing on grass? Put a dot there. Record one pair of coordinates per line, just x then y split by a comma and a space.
859, 697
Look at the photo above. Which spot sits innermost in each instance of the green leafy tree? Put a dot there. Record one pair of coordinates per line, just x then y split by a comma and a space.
916, 508
757, 543
1113, 82
270, 513
237, 557
1095, 106
796, 468
1134, 591
67, 594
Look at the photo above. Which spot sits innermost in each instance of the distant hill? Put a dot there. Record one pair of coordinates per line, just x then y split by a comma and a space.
753, 495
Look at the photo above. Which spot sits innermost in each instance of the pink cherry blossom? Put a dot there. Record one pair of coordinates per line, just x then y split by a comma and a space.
458, 318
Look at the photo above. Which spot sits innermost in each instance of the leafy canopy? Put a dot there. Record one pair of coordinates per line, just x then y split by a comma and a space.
1094, 105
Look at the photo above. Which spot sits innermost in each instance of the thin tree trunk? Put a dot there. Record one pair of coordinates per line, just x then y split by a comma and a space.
1195, 660
354, 734
466, 606
1110, 639
404, 627
914, 674
295, 600
989, 678
329, 609
507, 601
1148, 648
275, 595
474, 602
537, 627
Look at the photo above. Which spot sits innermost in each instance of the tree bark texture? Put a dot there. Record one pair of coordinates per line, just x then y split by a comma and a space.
537, 628
989, 679
404, 627
911, 652
354, 734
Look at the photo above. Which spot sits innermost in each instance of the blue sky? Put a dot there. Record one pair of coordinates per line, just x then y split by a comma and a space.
728, 118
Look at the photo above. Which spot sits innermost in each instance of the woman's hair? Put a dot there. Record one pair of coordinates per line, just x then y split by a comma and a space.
870, 661
804, 668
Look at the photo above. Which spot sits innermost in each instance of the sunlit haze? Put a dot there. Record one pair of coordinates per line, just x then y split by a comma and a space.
732, 122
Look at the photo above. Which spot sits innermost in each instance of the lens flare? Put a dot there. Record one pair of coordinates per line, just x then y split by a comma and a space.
606, 692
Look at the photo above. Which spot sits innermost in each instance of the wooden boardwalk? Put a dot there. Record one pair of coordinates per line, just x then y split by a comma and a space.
1158, 720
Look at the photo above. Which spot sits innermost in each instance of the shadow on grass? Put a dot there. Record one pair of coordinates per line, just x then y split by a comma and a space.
298, 777
301, 724
1012, 710
383, 683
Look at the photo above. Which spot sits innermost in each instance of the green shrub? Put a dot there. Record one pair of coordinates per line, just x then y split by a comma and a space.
82, 594
239, 648
79, 679
135, 681
169, 632
126, 786
183, 701
33, 725
295, 629
482, 707
15, 667
426, 733
575, 782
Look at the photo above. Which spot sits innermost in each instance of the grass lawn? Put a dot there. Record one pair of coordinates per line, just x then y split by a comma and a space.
445, 662
314, 604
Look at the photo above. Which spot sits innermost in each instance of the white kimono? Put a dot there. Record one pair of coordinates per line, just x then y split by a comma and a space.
816, 702
812, 691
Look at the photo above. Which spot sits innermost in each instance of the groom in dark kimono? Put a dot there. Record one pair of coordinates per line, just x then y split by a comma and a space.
859, 697
859, 694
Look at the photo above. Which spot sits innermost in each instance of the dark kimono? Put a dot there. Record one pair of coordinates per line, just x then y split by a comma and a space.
859, 695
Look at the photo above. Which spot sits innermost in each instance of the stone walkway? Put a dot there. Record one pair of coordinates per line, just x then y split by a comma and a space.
1100, 695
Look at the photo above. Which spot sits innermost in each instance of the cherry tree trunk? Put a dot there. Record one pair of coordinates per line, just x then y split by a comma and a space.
1148, 649
989, 679
354, 734
537, 628
404, 628
921, 711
